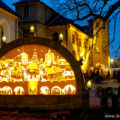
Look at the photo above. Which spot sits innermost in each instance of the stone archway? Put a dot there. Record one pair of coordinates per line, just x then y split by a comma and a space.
53, 45
6, 28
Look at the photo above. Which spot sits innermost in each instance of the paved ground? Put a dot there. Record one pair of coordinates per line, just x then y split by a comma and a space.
94, 100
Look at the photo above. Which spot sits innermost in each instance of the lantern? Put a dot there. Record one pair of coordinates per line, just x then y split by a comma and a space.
61, 36
32, 29
4, 38
89, 84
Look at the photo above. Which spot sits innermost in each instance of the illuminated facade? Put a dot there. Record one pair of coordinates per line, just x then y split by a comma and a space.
46, 24
38, 70
38, 64
27, 76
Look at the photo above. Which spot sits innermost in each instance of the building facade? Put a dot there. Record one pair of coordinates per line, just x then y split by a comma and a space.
8, 23
46, 23
49, 24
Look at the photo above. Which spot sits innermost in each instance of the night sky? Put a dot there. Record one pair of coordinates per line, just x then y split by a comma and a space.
114, 47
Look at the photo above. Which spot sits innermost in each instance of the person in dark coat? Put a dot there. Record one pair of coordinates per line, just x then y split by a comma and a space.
114, 98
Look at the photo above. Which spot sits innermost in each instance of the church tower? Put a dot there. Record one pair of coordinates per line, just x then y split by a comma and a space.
34, 58
100, 49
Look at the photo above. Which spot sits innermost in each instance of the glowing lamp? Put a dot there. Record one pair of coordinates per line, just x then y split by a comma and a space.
61, 36
4, 38
112, 60
89, 84
32, 29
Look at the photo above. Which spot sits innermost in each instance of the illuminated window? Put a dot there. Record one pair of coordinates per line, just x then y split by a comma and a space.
69, 89
44, 90
6, 90
56, 90
19, 91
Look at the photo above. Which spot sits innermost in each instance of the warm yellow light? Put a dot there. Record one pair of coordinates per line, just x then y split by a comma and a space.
97, 50
32, 29
4, 38
89, 84
23, 67
112, 60
60, 36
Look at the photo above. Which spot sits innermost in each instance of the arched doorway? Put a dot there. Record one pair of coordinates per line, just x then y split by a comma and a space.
56, 90
69, 89
43, 61
4, 29
6, 90
44, 90
19, 90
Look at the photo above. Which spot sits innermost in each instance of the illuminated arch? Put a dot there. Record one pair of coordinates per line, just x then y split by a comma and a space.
6, 28
44, 90
75, 65
6, 90
19, 90
56, 90
69, 89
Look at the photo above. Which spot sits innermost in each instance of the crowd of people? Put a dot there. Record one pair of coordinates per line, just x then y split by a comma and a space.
97, 75
107, 93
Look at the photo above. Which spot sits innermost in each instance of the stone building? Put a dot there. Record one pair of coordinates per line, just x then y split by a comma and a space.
41, 30
47, 23
8, 23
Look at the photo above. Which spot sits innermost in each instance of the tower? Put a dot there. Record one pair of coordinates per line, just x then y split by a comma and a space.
100, 50
24, 58
34, 58
49, 57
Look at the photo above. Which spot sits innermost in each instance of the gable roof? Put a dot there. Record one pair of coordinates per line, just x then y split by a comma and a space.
6, 8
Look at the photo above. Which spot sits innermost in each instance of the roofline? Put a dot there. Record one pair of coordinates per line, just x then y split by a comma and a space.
85, 34
10, 13
39, 2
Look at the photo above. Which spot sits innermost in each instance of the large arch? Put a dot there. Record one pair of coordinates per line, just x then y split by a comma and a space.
53, 45
6, 28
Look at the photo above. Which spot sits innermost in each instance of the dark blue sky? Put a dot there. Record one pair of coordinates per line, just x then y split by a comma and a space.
114, 51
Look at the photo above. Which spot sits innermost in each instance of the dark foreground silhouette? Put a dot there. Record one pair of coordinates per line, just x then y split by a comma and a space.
27, 114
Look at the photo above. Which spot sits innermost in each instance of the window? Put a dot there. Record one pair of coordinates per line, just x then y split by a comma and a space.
97, 24
26, 11
55, 37
73, 39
